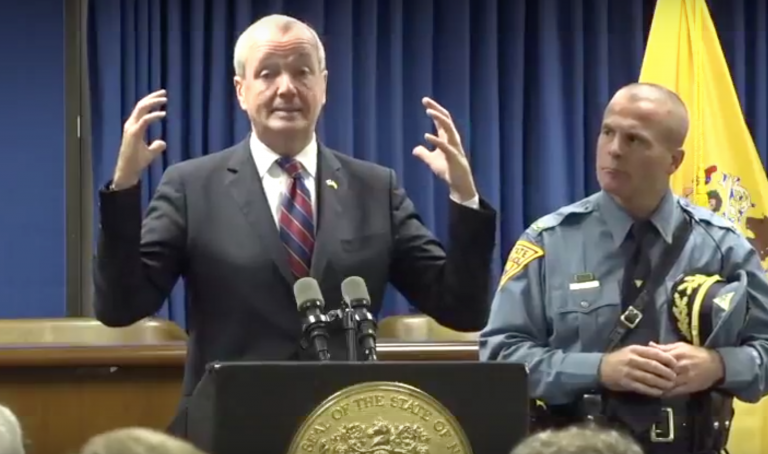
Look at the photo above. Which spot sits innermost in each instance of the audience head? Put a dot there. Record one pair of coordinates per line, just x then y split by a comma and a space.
137, 440
578, 440
280, 81
640, 145
11, 441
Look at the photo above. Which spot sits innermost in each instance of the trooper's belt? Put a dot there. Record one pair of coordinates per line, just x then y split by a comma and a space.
700, 425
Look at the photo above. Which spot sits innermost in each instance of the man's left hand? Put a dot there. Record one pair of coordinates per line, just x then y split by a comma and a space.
697, 369
448, 161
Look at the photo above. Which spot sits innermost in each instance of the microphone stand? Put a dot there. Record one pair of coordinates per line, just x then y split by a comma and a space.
315, 334
349, 325
359, 328
366, 328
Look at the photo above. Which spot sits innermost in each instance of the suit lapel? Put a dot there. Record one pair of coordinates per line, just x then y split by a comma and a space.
331, 190
245, 184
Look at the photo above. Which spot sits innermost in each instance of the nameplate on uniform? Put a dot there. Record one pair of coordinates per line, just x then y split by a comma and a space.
583, 285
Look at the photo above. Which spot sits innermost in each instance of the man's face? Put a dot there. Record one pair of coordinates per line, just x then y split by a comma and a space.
283, 87
632, 159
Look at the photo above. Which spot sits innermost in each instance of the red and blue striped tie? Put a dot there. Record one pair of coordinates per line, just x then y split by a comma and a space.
297, 227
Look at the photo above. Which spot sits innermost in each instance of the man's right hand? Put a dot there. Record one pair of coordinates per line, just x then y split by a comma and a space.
135, 155
639, 369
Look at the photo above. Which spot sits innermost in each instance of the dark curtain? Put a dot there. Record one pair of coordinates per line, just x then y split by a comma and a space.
526, 81
33, 232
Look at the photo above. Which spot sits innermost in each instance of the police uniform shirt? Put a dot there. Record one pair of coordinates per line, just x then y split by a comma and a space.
547, 316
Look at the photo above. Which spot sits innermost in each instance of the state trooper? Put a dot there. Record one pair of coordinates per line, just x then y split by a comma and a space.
634, 308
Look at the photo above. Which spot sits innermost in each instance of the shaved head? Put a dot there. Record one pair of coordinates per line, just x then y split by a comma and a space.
667, 107
641, 145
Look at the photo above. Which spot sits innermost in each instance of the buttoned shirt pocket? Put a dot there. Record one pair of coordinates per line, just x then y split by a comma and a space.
585, 317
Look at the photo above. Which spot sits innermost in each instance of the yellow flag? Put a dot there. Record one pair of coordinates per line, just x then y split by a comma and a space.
722, 169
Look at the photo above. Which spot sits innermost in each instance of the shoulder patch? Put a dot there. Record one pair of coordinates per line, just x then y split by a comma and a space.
523, 253
554, 219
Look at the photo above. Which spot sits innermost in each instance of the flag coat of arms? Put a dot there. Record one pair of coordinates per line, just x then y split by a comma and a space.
722, 169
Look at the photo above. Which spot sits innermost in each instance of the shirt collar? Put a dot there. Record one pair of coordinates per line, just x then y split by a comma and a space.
665, 218
265, 158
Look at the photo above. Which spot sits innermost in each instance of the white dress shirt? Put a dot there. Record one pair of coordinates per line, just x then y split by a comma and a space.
275, 180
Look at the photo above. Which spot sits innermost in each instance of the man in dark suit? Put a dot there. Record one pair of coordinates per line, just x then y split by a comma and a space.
243, 224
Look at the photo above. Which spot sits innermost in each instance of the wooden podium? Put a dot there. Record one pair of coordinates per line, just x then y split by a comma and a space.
65, 394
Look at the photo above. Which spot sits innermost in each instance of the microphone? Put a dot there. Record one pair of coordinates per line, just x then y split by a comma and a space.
355, 294
309, 300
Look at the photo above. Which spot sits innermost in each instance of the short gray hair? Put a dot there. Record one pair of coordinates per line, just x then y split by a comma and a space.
137, 440
11, 441
247, 38
578, 440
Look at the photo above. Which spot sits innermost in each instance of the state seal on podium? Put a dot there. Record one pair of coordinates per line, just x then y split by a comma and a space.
380, 418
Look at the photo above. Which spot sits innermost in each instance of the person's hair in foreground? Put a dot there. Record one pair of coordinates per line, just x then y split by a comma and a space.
578, 440
11, 440
137, 440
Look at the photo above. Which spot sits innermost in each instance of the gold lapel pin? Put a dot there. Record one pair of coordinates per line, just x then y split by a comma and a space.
332, 184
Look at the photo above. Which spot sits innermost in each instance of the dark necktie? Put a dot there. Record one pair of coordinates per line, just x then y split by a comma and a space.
637, 261
297, 227
637, 411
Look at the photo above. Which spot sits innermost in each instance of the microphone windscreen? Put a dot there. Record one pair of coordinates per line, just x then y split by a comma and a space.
354, 289
307, 289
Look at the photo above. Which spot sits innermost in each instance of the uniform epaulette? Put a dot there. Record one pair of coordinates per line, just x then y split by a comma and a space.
706, 215
555, 218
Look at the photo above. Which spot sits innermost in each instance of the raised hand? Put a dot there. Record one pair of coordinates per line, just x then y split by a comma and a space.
135, 154
448, 161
